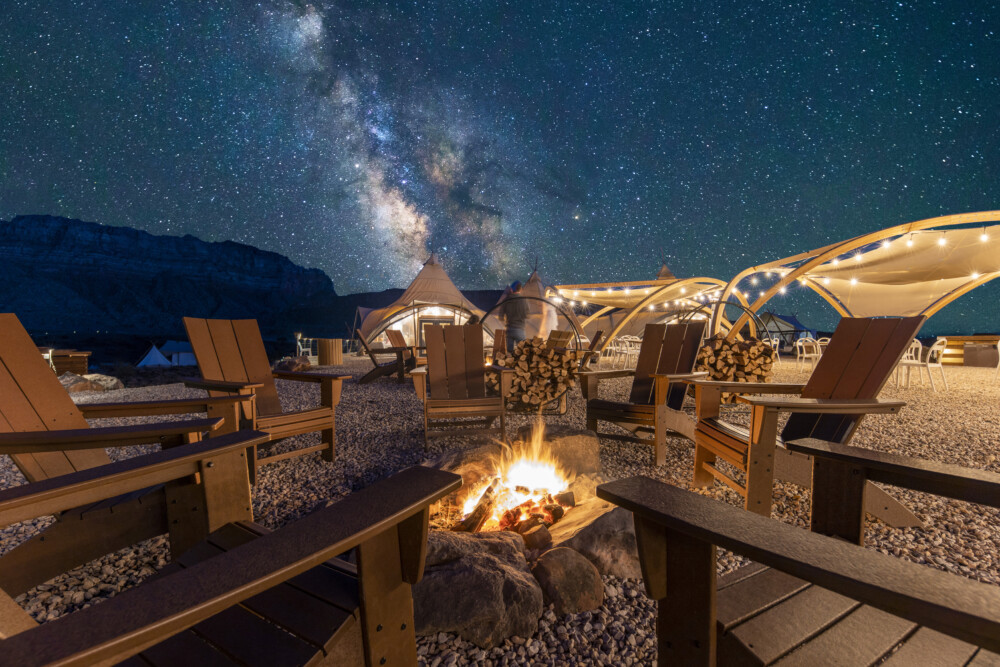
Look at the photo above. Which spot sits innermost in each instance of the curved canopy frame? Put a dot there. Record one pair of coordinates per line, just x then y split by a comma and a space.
877, 265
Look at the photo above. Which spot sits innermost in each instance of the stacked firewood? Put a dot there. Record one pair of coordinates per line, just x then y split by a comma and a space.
748, 360
541, 373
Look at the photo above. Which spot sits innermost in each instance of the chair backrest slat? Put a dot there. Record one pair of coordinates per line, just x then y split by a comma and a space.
454, 351
857, 363
396, 338
666, 349
559, 338
33, 399
475, 375
364, 346
437, 369
233, 351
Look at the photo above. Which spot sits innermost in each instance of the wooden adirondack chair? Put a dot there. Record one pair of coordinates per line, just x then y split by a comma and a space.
244, 596
47, 436
808, 599
396, 339
453, 384
586, 356
559, 338
666, 360
232, 360
403, 362
840, 392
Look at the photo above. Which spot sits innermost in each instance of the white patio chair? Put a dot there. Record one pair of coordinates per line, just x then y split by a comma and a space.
807, 349
912, 358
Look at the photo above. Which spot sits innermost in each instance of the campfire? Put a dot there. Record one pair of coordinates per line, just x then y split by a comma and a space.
527, 489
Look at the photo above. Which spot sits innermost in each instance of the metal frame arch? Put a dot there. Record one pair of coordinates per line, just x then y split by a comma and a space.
816, 257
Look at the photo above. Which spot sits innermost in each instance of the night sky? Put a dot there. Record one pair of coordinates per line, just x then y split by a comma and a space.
357, 136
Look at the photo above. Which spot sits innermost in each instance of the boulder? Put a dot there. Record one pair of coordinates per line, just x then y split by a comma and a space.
569, 581
74, 383
477, 586
577, 450
293, 364
109, 383
604, 534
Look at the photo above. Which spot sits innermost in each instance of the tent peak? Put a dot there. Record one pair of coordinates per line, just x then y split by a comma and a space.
433, 259
665, 273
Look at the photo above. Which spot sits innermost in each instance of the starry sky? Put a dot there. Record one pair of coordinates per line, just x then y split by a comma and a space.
596, 137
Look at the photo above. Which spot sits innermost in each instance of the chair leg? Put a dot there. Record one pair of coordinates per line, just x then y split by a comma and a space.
660, 436
702, 477
931, 378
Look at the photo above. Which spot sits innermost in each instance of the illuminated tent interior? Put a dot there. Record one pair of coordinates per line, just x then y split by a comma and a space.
624, 308
912, 269
431, 298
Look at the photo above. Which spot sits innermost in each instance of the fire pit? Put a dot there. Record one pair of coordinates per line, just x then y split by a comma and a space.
526, 486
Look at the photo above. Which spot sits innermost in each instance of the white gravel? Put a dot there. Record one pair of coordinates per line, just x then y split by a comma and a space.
379, 431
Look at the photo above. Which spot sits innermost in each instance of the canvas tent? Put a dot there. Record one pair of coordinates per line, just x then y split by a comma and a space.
153, 358
543, 317
911, 269
171, 353
431, 298
787, 327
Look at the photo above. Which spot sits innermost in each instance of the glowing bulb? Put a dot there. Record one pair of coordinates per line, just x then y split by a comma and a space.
558, 299
652, 306
627, 291
836, 261
857, 257
909, 242
583, 303
854, 281
826, 281
576, 294
885, 243
975, 275
941, 241
684, 290
761, 296
753, 281
782, 290
984, 237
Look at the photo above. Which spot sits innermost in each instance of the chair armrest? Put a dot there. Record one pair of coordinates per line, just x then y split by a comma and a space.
607, 374
498, 368
940, 479
174, 407
945, 602
751, 387
681, 377
850, 406
76, 489
299, 376
110, 436
220, 385
421, 370
162, 607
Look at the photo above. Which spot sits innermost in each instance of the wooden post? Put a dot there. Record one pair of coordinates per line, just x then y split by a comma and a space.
838, 500
331, 351
760, 460
386, 600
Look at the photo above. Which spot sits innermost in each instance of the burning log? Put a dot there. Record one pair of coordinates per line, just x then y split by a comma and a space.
541, 373
478, 516
566, 499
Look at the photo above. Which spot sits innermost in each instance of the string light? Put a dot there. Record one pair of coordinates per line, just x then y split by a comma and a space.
836, 262
684, 290
885, 243
909, 241
761, 296
826, 281
984, 237
753, 281
782, 289
975, 275
857, 257
854, 281
941, 240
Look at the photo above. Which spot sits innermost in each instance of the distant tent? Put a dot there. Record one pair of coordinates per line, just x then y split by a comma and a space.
153, 357
787, 327
431, 298
179, 352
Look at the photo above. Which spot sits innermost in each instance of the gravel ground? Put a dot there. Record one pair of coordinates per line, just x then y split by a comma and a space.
379, 431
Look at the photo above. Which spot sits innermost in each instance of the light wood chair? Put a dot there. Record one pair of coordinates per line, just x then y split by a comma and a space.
232, 361
47, 436
665, 361
244, 595
453, 384
841, 391
808, 599
397, 340
404, 361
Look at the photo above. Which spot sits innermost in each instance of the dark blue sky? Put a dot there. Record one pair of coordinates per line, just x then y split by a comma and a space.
356, 136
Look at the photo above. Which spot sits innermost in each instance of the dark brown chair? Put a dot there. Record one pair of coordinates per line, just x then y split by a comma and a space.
48, 436
232, 360
841, 391
453, 384
404, 361
244, 595
809, 599
666, 360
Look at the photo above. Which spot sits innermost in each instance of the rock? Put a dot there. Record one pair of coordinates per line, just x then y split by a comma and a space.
537, 538
477, 586
577, 450
293, 364
570, 581
109, 383
74, 383
604, 534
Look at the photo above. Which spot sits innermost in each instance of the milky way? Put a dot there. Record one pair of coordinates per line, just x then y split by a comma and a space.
595, 137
